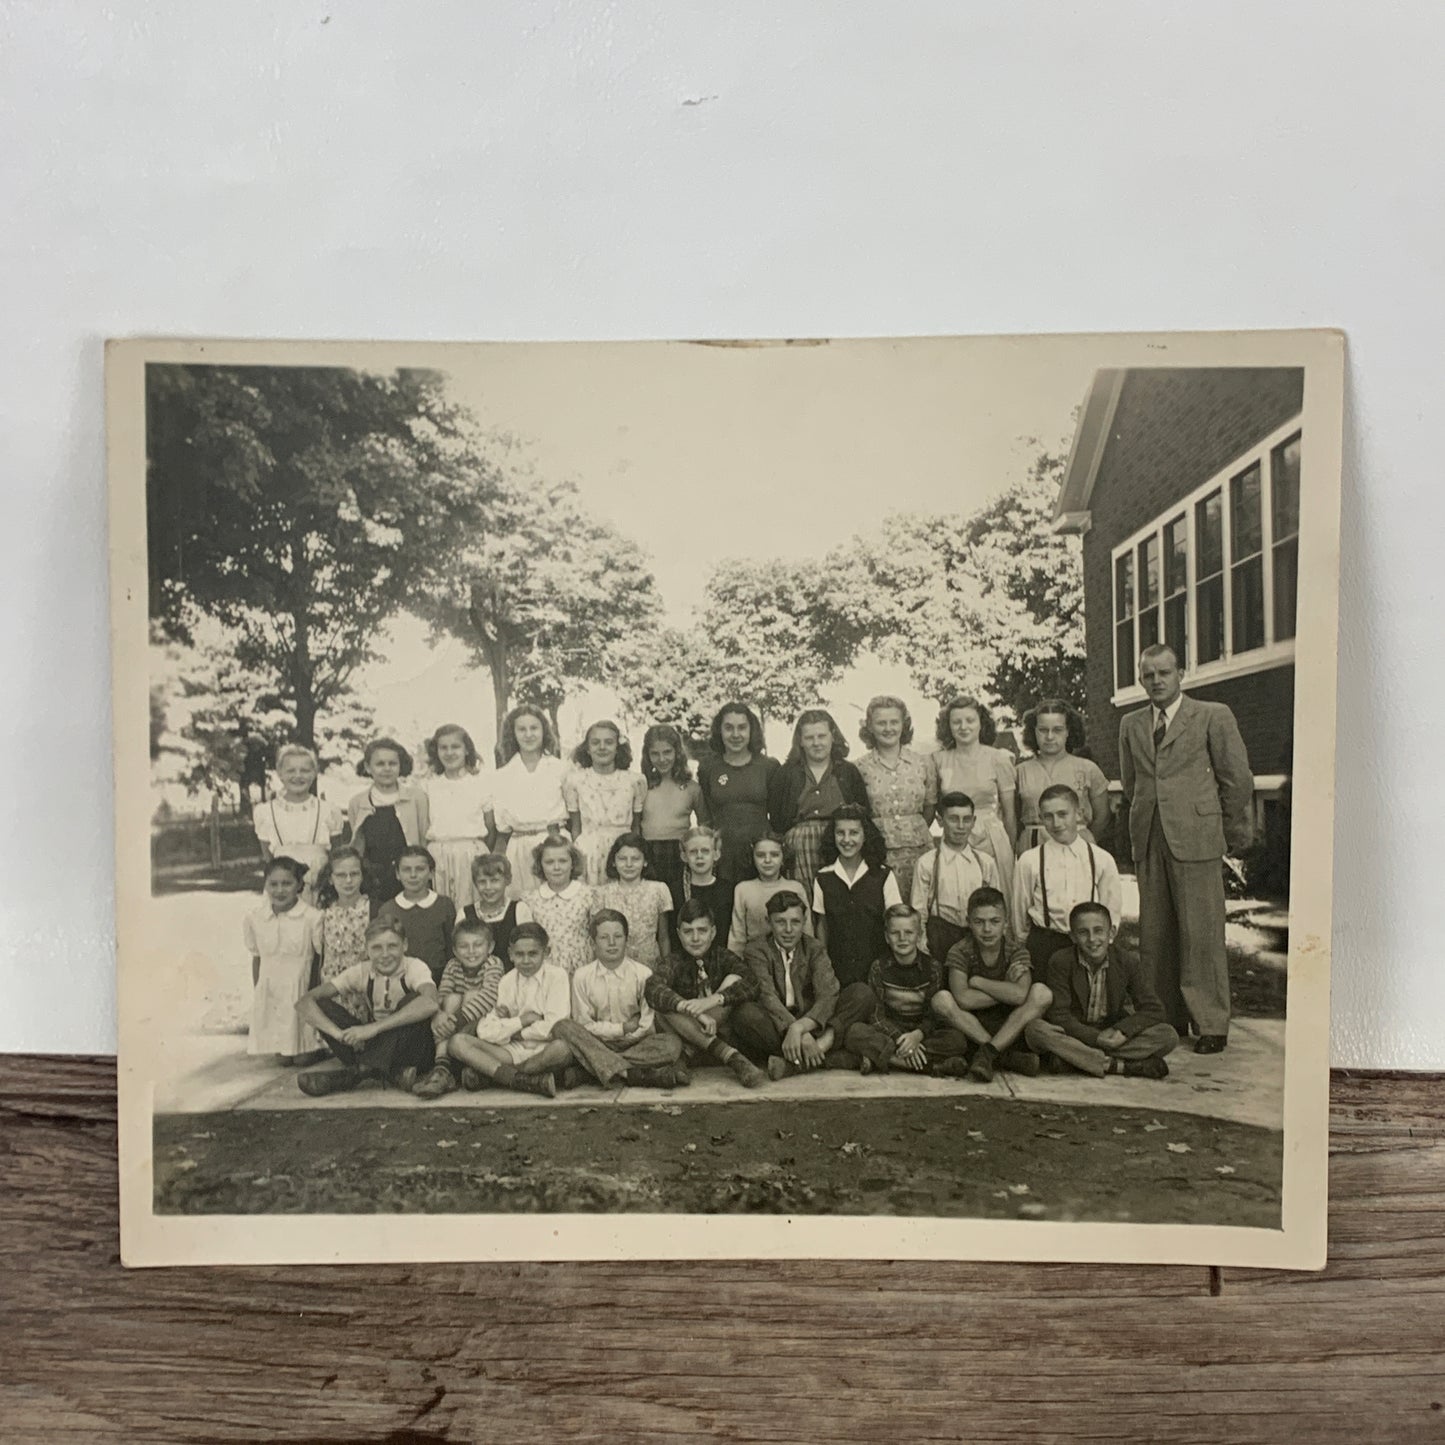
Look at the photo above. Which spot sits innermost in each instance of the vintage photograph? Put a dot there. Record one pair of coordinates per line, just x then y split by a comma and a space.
719, 786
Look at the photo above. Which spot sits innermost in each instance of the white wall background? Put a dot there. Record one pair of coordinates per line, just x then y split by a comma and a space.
576, 169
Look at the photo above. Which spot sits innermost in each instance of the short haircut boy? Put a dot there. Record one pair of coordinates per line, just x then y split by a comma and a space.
1081, 911
473, 927
605, 915
956, 800
696, 910
1058, 790
782, 901
533, 931
987, 898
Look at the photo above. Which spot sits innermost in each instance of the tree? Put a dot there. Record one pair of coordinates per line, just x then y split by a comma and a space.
544, 592
302, 507
671, 675
764, 622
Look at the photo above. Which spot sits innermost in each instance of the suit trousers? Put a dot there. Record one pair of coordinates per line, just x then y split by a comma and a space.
1181, 935
1046, 1038
605, 1063
755, 1032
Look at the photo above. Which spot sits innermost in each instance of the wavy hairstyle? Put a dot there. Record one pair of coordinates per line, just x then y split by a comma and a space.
507, 748
875, 850
865, 729
376, 745
448, 730
626, 840
325, 888
582, 753
987, 729
817, 715
1074, 739
665, 733
756, 743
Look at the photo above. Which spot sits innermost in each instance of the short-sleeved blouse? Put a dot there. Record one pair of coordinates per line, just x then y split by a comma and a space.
564, 915
642, 903
526, 802
343, 936
1083, 775
668, 809
458, 806
898, 795
604, 800
984, 777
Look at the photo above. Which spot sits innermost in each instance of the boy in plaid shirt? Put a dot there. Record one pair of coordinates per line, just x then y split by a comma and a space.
468, 993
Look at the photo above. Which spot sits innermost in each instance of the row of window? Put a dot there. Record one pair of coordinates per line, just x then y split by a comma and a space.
1218, 578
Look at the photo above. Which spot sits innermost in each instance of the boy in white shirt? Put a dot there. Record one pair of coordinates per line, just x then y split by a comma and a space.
1062, 872
948, 876
513, 1045
612, 1034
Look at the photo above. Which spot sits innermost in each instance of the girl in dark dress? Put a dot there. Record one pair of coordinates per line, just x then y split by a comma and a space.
389, 816
738, 781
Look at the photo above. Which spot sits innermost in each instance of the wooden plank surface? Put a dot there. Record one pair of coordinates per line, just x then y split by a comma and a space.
733, 1352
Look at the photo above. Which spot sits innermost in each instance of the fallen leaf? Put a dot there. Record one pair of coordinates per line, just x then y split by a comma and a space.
1224, 1168
509, 1136
960, 1108
1000, 1194
1179, 1148
1031, 1210
814, 1136
689, 1148
975, 1133
1154, 1126
200, 1136
1018, 1189
1120, 1131
850, 1147
446, 1143
1047, 1134
785, 1133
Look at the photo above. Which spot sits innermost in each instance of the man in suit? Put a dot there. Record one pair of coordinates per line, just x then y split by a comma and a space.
1186, 775
800, 1013
1103, 1015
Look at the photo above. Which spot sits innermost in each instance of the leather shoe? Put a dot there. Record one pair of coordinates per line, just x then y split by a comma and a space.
1210, 1044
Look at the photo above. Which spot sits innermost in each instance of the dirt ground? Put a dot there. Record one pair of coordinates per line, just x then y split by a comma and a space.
984, 1158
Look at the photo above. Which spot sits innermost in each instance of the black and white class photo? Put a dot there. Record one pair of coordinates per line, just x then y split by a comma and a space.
845, 779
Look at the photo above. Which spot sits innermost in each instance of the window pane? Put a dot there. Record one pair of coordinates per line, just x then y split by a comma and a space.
1208, 539
1148, 572
1148, 628
1176, 627
1124, 654
1246, 522
1209, 603
1176, 557
1286, 585
1284, 475
1248, 604
1124, 587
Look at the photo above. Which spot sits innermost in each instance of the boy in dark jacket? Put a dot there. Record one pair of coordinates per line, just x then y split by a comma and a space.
1105, 1017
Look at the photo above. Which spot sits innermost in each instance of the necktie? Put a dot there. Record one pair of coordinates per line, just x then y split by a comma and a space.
1160, 728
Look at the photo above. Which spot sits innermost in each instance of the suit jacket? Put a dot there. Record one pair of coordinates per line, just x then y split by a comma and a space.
815, 985
1199, 784
1131, 1003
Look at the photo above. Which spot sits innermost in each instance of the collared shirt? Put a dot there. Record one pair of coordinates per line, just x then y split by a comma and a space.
1098, 992
611, 1002
891, 895
386, 992
945, 877
788, 997
820, 797
1067, 876
545, 992
1167, 713
402, 901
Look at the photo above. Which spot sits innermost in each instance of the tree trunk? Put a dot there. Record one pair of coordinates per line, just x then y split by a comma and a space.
215, 829
493, 646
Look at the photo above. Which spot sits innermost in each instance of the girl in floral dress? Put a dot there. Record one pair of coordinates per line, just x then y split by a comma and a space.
967, 762
902, 785
562, 903
461, 811
644, 902
345, 914
603, 796
1054, 733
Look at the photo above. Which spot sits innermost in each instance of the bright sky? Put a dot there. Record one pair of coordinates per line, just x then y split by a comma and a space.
706, 452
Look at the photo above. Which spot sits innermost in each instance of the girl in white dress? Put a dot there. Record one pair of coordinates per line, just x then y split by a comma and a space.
527, 797
295, 823
283, 937
461, 811
604, 797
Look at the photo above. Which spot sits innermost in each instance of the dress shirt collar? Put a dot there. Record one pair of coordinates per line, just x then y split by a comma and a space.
1168, 711
569, 892
402, 901
855, 879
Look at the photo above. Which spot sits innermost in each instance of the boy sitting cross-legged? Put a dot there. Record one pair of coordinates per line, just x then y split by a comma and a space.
612, 1034
991, 995
395, 1041
468, 993
903, 1033
695, 993
1105, 1017
512, 1045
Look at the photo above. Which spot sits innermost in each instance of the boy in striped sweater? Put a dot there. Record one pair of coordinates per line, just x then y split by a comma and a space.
468, 993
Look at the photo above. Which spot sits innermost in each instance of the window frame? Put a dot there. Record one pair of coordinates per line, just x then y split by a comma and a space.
1275, 652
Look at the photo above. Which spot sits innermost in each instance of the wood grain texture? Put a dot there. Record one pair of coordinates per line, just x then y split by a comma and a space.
733, 1352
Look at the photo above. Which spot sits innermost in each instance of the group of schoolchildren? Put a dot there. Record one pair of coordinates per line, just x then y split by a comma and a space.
544, 926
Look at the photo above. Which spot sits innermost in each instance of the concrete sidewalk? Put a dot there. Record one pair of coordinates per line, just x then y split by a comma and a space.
1245, 1085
